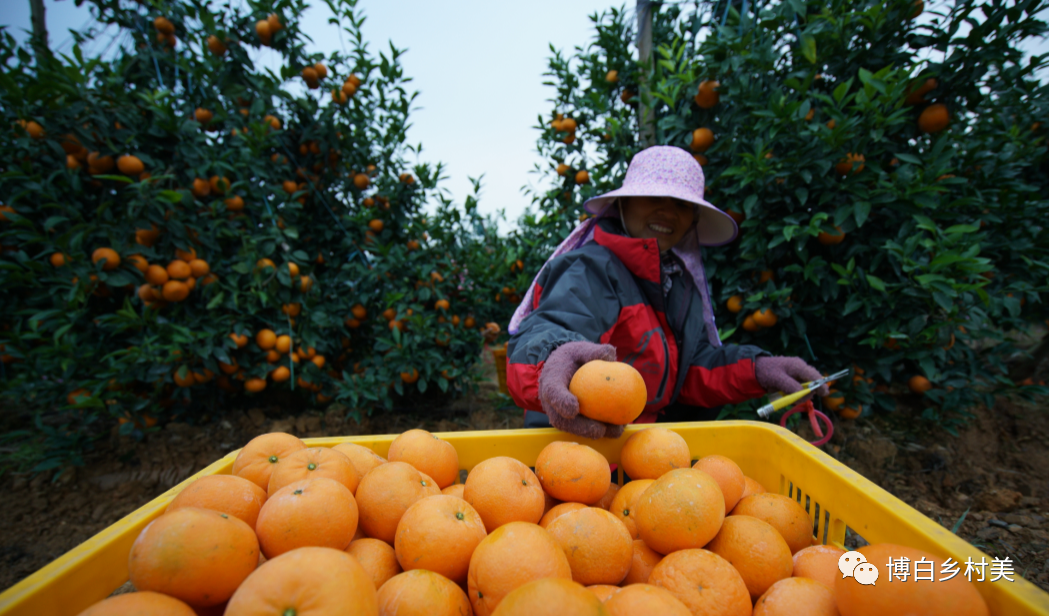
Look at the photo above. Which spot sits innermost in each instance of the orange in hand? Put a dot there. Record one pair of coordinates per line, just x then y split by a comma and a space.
609, 391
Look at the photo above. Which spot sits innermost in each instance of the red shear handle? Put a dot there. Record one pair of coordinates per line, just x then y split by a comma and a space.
814, 418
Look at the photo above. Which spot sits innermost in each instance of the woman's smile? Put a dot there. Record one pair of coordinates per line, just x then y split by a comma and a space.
663, 219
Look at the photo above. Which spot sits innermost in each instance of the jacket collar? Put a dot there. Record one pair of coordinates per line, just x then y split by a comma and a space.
640, 256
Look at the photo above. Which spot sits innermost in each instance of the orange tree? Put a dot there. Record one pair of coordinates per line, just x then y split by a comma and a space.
886, 172
181, 227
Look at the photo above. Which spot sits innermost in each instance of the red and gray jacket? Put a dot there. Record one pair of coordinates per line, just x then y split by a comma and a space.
609, 291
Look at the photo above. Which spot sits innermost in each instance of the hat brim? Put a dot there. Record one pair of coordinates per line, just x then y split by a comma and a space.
715, 230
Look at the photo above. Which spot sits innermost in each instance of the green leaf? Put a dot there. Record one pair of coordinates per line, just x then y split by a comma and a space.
215, 301
861, 211
908, 158
841, 91
875, 283
808, 47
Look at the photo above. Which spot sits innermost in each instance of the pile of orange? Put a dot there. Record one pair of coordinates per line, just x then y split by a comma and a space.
171, 283
301, 529
562, 124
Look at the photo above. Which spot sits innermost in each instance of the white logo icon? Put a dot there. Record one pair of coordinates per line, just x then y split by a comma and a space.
848, 561
866, 573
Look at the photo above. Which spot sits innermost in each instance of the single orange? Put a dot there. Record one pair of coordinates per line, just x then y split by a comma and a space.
645, 599
317, 512
456, 490
570, 471
682, 509
428, 454
377, 557
385, 493
643, 561
785, 514
199, 268
705, 582
624, 505
751, 487
144, 602
256, 460
702, 139
756, 550
175, 291
557, 511
230, 494
195, 555
310, 580
534, 554
598, 547
422, 593
362, 458
728, 475
439, 533
266, 339
179, 270
551, 597
934, 118
708, 96
130, 165
796, 596
156, 275
919, 384
649, 453
255, 385
504, 490
311, 463
609, 391
112, 259
735, 303
765, 317
820, 563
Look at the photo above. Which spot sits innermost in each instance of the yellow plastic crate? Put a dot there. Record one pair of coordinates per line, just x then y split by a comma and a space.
834, 495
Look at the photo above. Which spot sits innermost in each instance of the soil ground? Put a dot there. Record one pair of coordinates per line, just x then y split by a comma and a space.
995, 473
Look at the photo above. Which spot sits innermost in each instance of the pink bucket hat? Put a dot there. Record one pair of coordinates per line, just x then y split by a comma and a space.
668, 171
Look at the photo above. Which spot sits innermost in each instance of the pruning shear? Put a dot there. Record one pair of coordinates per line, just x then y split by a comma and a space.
780, 401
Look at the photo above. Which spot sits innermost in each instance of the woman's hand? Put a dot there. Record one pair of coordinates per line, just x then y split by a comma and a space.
786, 374
559, 404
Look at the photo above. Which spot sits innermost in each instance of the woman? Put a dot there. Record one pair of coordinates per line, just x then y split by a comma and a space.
629, 286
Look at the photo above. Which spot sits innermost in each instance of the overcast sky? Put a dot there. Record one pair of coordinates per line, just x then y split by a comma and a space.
478, 65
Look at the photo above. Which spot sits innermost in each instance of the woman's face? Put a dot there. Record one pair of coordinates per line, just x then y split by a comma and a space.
663, 219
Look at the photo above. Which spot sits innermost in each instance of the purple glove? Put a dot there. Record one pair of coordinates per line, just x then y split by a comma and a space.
559, 404
786, 374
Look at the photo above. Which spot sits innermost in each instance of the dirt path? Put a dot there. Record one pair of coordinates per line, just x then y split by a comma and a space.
997, 470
